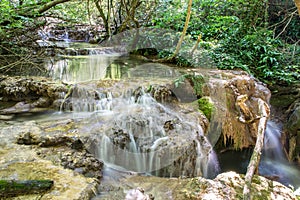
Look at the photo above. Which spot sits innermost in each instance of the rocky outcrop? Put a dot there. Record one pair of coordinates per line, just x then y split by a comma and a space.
292, 126
31, 162
69, 150
30, 94
38, 94
150, 139
230, 186
30, 89
236, 95
225, 186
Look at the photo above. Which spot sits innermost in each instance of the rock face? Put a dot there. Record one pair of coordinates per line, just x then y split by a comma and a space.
230, 186
148, 138
158, 134
292, 127
30, 94
22, 88
236, 96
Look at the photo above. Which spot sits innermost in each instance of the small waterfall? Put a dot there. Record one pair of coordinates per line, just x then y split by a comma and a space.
213, 167
65, 36
134, 131
145, 136
274, 162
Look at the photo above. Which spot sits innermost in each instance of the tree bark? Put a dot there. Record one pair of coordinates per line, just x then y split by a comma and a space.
12, 188
264, 112
102, 15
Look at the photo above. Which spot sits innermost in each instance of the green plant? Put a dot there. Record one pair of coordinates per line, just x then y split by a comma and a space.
206, 106
196, 81
258, 54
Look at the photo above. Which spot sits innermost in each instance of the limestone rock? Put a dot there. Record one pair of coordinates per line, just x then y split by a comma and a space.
235, 96
225, 186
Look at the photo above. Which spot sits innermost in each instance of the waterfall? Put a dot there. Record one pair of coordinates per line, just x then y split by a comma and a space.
274, 162
135, 132
145, 136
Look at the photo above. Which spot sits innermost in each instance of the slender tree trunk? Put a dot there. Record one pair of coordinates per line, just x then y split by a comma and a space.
186, 24
297, 3
264, 111
102, 15
196, 44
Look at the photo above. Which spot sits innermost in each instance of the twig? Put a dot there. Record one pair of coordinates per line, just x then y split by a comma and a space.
196, 44
286, 24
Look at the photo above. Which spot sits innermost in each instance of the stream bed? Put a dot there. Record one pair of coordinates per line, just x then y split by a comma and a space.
137, 135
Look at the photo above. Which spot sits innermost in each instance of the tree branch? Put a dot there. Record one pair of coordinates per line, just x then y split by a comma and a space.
51, 4
264, 111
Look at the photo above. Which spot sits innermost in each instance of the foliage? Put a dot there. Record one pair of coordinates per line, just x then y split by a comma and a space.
284, 20
241, 39
234, 32
211, 18
259, 54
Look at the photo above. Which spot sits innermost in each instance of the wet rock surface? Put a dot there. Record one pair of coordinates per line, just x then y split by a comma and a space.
66, 150
225, 186
30, 162
30, 94
71, 146
292, 128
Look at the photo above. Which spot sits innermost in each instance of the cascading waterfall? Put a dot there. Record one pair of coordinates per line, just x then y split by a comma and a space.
145, 136
133, 130
274, 162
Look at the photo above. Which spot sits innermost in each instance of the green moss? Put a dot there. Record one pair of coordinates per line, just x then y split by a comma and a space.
206, 106
197, 81
256, 180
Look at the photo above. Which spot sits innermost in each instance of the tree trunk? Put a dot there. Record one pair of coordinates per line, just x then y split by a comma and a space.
264, 111
196, 44
186, 24
297, 3
102, 15
12, 188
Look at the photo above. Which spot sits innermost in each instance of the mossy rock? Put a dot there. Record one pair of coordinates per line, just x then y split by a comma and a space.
11, 188
206, 106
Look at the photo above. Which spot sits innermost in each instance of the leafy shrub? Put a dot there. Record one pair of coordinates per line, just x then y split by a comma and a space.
259, 54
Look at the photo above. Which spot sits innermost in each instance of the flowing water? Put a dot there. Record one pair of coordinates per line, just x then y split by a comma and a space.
134, 134
274, 162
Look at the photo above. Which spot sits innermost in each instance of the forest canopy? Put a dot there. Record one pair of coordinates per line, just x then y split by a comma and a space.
260, 37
